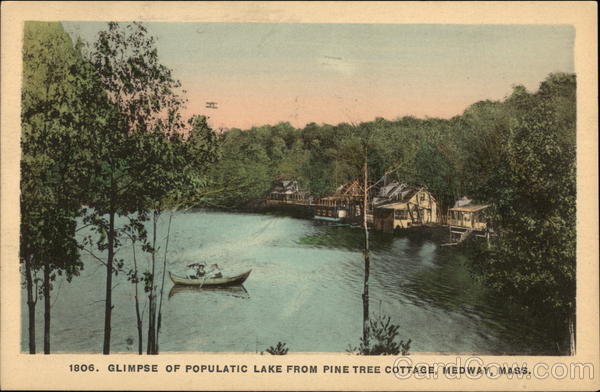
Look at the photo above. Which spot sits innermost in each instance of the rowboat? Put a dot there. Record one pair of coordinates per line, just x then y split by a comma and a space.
204, 282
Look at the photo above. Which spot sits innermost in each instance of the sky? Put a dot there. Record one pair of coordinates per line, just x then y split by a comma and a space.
266, 73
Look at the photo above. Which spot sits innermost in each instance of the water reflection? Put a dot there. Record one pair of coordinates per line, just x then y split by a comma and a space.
233, 291
346, 237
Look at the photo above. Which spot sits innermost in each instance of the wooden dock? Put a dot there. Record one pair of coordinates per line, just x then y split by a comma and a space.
339, 210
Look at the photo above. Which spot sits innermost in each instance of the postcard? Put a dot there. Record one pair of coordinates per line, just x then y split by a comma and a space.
299, 196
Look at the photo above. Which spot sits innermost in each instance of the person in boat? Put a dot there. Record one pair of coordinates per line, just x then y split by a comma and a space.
196, 271
214, 271
199, 271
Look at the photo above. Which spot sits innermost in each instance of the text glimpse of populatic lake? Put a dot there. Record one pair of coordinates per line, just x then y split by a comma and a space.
305, 290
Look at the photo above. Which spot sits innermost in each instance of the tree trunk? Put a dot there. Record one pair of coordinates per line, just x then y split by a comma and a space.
46, 308
30, 304
365, 295
109, 272
572, 344
150, 338
139, 324
152, 298
162, 287
137, 304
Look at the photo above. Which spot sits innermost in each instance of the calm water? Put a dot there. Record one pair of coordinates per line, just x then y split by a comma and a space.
305, 290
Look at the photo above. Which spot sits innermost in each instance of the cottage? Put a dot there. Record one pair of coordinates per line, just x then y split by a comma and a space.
465, 215
287, 190
403, 206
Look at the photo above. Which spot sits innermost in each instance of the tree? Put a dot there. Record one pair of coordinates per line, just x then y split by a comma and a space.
356, 152
432, 169
137, 232
384, 340
243, 172
52, 153
292, 164
178, 179
482, 132
144, 101
533, 261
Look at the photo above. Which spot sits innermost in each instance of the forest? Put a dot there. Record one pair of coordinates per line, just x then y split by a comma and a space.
104, 138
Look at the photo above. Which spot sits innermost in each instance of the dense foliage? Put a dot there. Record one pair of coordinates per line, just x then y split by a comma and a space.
51, 186
534, 192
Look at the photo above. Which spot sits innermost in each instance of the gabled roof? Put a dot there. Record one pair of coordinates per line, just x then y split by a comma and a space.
391, 189
388, 193
404, 198
396, 192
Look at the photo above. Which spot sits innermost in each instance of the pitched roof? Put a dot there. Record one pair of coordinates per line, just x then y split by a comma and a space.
402, 200
395, 192
392, 189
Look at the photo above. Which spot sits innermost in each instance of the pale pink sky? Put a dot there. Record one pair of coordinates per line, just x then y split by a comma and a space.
265, 73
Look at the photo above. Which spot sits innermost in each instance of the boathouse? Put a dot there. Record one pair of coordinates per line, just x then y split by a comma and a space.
467, 217
343, 205
403, 206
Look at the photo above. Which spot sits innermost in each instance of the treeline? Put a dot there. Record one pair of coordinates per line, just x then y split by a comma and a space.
454, 157
103, 137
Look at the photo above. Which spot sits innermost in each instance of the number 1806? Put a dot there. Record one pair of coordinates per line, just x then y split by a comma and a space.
75, 367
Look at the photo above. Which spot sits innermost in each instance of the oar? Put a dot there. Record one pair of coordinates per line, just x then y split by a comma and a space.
203, 280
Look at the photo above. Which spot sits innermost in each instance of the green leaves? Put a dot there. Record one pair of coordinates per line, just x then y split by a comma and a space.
50, 183
432, 168
533, 261
383, 336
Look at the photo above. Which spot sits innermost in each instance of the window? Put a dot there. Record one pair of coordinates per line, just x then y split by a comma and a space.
401, 214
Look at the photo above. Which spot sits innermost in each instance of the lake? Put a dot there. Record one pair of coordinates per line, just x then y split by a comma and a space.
305, 290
